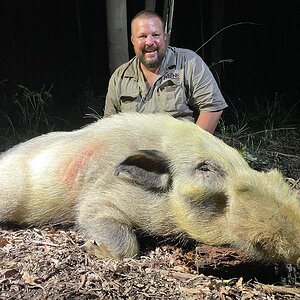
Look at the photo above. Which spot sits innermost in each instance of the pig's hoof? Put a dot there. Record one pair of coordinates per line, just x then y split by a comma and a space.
91, 247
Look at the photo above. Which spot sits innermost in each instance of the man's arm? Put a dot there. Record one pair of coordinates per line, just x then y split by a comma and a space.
208, 120
205, 96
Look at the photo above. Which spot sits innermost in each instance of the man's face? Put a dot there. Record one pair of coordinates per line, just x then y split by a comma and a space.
148, 41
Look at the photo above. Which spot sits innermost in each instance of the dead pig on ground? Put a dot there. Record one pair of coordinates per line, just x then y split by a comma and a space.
154, 173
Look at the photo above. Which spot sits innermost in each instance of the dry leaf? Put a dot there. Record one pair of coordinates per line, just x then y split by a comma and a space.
28, 278
9, 273
239, 283
3, 241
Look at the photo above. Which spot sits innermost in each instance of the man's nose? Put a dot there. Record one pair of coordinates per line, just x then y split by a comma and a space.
149, 40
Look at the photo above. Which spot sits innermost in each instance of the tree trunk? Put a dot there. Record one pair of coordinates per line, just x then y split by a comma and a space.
168, 17
150, 4
117, 37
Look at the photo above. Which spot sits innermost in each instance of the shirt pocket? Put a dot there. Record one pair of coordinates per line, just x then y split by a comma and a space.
128, 103
173, 96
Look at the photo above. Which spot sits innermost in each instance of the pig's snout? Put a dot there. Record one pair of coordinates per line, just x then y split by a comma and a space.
264, 217
274, 250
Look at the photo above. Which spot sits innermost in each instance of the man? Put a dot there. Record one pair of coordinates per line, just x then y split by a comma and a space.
165, 79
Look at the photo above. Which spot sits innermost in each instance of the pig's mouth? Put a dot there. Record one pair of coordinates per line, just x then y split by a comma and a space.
260, 249
264, 252
256, 250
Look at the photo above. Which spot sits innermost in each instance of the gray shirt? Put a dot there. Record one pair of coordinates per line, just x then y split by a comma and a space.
184, 82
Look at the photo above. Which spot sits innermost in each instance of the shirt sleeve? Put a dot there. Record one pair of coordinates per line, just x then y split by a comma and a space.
112, 105
205, 94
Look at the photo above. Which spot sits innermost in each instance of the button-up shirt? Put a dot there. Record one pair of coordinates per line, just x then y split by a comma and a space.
183, 85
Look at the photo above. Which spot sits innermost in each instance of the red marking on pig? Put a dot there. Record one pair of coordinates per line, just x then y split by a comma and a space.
76, 166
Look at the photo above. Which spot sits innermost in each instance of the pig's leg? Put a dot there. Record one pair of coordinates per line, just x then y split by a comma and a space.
13, 183
110, 234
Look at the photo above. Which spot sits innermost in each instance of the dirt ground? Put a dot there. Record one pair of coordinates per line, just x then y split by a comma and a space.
48, 263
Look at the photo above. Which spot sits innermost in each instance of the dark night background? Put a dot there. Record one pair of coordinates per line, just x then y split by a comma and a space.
40, 46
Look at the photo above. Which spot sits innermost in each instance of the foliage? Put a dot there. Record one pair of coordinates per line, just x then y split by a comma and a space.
221, 30
89, 103
32, 106
25, 113
267, 134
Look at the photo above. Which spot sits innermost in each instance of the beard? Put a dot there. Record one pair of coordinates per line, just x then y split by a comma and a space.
152, 63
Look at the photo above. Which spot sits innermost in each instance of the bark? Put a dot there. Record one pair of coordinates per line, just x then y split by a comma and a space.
150, 4
117, 37
168, 17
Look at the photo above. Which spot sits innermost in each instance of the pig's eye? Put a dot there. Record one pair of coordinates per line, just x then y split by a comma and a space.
209, 175
205, 167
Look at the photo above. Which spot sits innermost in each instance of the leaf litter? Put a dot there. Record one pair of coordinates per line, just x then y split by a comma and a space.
49, 263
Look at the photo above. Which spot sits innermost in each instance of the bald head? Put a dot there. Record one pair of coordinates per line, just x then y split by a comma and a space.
146, 14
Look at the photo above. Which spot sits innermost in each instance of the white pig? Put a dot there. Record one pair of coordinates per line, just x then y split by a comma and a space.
155, 174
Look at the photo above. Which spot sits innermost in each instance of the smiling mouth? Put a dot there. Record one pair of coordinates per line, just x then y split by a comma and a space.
150, 53
150, 50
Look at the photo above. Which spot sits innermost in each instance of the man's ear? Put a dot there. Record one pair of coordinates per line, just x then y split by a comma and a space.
146, 168
165, 36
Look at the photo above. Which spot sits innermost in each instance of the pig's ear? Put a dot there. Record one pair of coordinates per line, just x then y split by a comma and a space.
147, 168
